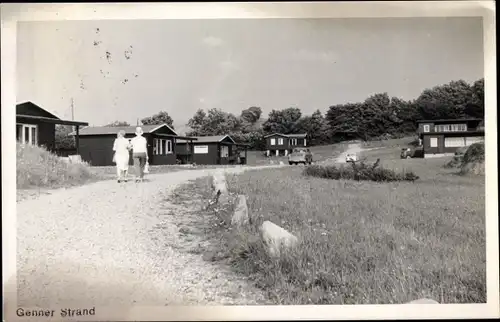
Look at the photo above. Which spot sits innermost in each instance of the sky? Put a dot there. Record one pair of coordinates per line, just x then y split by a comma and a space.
180, 66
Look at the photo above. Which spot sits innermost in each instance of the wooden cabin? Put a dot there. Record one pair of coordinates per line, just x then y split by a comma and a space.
219, 149
96, 143
37, 126
444, 137
282, 144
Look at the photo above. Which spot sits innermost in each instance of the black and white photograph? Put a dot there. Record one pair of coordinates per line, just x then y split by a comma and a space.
255, 162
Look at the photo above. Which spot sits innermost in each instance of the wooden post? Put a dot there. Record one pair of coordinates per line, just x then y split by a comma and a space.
77, 140
191, 149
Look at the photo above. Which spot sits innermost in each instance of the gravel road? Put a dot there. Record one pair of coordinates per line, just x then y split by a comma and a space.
354, 148
109, 244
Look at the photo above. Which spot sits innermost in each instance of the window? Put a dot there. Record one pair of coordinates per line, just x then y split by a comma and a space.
280, 141
434, 142
426, 128
27, 133
454, 142
473, 139
293, 141
162, 147
224, 151
451, 128
273, 141
200, 149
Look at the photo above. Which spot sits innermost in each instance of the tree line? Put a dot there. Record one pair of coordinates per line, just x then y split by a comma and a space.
378, 116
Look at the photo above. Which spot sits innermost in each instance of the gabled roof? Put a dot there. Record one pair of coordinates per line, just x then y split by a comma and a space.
209, 139
110, 130
303, 135
29, 111
21, 109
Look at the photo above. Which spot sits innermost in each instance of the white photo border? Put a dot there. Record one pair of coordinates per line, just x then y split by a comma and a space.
12, 13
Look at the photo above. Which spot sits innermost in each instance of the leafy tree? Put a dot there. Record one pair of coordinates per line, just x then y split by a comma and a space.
476, 107
63, 140
197, 122
159, 118
316, 128
406, 113
118, 123
283, 121
445, 101
251, 114
215, 122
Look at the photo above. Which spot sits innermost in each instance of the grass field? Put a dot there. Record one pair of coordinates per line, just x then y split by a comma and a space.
360, 242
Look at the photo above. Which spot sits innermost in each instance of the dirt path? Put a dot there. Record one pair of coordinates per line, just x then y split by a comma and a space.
351, 148
117, 244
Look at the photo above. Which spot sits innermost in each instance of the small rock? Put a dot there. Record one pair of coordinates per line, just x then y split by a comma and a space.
240, 216
423, 301
282, 163
271, 162
276, 237
222, 187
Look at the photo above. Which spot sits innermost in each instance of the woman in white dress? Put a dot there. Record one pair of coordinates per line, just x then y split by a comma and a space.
122, 156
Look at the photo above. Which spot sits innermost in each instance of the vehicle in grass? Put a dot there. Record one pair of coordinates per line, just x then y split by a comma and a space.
408, 153
351, 157
300, 155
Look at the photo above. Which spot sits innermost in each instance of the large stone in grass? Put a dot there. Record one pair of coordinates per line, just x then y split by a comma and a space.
75, 158
240, 215
219, 183
276, 238
423, 301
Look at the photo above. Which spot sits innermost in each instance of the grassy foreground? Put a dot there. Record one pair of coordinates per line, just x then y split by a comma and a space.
361, 242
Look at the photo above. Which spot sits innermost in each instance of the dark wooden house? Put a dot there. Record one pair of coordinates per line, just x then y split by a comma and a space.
36, 126
96, 143
283, 144
220, 149
444, 137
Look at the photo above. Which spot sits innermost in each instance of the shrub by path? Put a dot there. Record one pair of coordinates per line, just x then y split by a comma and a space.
108, 244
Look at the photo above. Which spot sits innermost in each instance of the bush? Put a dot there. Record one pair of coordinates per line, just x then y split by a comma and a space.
37, 167
475, 153
455, 162
473, 160
359, 171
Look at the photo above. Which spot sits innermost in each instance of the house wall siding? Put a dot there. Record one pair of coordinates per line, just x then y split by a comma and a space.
46, 133
98, 150
441, 148
284, 146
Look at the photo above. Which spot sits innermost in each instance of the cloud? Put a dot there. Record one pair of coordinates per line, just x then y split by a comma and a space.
310, 55
229, 65
213, 41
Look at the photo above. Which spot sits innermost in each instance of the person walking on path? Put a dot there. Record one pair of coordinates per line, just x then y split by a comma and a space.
121, 156
140, 153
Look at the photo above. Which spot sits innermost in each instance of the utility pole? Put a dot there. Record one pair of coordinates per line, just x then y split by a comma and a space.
72, 110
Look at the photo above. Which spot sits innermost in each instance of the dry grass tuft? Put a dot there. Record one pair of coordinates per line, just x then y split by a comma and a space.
37, 167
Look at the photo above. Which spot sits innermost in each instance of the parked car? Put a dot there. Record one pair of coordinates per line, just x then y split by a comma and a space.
406, 153
351, 157
300, 155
